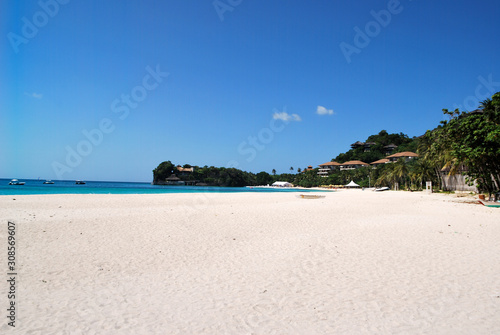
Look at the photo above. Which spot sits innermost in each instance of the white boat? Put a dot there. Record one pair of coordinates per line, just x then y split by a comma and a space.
382, 189
16, 182
79, 182
48, 182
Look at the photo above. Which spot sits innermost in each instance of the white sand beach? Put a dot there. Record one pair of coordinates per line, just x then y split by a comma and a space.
354, 262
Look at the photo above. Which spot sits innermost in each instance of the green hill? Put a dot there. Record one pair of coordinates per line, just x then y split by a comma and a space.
376, 147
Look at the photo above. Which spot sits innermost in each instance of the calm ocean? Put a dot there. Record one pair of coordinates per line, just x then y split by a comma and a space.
35, 186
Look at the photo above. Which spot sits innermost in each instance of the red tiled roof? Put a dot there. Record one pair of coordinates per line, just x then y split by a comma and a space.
354, 163
181, 169
330, 163
380, 161
403, 154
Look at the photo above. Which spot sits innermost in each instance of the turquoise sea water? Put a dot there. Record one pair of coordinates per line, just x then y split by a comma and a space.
34, 186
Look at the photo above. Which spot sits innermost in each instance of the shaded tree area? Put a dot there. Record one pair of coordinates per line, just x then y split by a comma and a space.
213, 176
217, 176
409, 175
209, 175
311, 178
468, 143
163, 171
264, 178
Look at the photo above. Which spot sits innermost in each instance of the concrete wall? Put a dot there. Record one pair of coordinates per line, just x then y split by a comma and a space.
456, 182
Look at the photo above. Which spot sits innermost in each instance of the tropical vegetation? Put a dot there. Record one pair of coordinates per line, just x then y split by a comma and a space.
210, 175
468, 143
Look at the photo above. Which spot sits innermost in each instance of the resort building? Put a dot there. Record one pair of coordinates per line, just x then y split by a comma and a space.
407, 155
174, 180
184, 171
368, 145
364, 145
357, 145
326, 168
379, 162
351, 165
389, 149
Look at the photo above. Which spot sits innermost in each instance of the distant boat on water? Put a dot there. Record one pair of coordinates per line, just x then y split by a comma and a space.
80, 182
48, 182
16, 182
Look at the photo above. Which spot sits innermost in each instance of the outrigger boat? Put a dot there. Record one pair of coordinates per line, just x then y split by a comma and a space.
489, 203
48, 182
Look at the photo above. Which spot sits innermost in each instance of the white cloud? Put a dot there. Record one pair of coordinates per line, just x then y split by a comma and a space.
323, 111
34, 95
286, 117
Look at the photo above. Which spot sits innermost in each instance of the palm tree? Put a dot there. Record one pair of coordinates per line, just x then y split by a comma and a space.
386, 176
491, 110
435, 153
421, 171
274, 172
400, 171
291, 169
298, 170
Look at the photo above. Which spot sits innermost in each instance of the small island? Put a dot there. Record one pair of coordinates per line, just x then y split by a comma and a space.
169, 174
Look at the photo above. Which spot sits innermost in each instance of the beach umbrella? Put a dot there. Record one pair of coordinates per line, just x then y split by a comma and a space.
352, 184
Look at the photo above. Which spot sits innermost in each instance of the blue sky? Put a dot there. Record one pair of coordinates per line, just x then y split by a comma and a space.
230, 82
